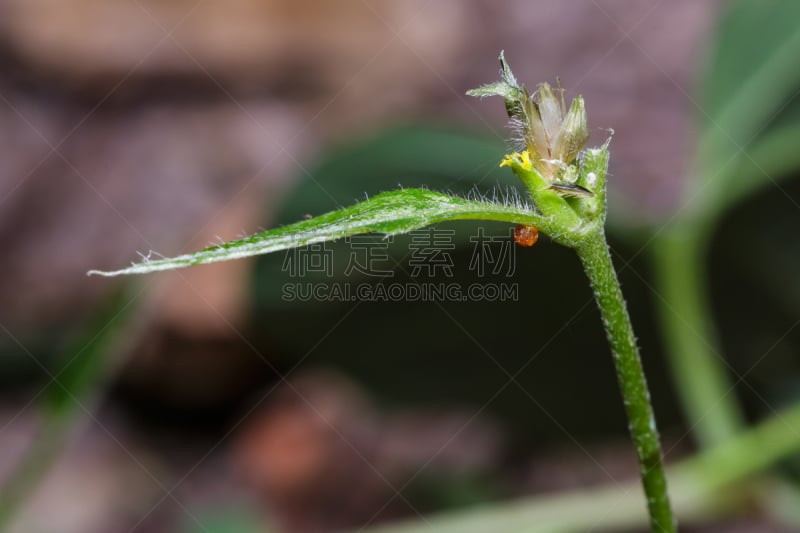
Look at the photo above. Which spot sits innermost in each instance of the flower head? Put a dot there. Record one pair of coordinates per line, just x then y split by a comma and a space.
566, 182
553, 135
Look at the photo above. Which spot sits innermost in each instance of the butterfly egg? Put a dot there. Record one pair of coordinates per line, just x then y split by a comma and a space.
526, 235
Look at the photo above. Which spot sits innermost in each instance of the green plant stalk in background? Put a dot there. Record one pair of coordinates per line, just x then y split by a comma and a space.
707, 485
73, 391
704, 386
748, 82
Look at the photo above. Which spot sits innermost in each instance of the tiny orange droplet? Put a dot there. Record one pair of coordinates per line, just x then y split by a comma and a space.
526, 235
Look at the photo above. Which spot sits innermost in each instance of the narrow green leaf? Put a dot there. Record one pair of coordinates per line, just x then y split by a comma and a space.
498, 88
389, 213
514, 95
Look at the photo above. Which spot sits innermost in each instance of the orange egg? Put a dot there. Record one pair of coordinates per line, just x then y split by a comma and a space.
526, 235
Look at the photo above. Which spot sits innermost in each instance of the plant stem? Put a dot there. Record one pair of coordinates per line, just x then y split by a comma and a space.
596, 258
95, 356
704, 386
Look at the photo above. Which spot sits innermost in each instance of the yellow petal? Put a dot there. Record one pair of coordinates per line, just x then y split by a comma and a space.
525, 160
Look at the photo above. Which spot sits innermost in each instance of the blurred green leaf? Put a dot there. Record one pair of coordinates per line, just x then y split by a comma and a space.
750, 78
408, 156
774, 157
747, 141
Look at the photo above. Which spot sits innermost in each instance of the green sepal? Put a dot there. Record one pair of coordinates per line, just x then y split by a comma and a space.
549, 202
593, 175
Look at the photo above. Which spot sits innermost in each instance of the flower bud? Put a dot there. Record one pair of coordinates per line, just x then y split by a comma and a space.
574, 133
550, 111
555, 137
